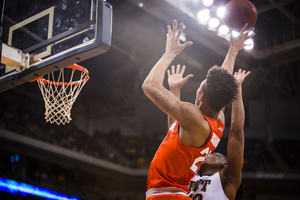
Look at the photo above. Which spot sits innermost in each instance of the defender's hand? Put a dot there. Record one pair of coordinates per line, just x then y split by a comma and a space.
175, 78
240, 76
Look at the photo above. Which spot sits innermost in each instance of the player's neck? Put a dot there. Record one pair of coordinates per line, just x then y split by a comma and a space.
208, 172
207, 111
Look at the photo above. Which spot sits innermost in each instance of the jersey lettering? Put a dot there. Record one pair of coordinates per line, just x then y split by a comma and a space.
194, 188
204, 184
172, 127
215, 140
197, 197
204, 153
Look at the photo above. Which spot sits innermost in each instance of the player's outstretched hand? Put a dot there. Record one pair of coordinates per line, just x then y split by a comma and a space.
175, 78
240, 76
239, 42
173, 43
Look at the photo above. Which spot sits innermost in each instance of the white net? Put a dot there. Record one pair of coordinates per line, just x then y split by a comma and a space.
59, 95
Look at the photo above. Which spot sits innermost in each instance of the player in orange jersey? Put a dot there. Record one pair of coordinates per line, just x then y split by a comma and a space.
220, 177
201, 125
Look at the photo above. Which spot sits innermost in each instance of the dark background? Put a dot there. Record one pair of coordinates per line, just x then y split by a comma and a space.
113, 116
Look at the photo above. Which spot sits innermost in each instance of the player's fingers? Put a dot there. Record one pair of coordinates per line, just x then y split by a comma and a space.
189, 76
244, 28
251, 29
168, 72
178, 69
169, 29
182, 69
247, 73
173, 69
174, 26
187, 44
250, 36
180, 30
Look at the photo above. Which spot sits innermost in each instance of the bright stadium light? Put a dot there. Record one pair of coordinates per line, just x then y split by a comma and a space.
203, 15
223, 30
220, 12
213, 23
250, 32
183, 37
208, 2
249, 44
235, 34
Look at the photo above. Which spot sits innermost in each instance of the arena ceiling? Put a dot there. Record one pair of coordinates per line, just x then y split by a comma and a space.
138, 41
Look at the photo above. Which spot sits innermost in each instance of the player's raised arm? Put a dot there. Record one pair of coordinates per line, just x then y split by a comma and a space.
153, 84
176, 81
235, 147
235, 45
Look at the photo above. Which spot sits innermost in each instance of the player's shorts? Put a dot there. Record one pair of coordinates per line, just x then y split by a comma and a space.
167, 193
168, 197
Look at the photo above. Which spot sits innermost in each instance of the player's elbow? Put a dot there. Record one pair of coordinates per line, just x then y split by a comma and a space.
236, 138
146, 86
237, 129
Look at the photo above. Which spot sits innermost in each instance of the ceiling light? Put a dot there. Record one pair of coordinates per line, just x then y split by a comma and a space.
208, 2
183, 37
250, 32
203, 15
213, 23
220, 12
235, 34
223, 30
249, 44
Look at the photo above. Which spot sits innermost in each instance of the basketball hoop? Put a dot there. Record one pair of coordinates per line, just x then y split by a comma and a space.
60, 95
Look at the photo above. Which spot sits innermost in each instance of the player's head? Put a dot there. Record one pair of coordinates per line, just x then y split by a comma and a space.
217, 90
213, 163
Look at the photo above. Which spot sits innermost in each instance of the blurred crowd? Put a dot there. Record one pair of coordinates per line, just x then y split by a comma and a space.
134, 152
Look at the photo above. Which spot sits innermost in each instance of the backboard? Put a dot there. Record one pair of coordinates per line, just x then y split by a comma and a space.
56, 33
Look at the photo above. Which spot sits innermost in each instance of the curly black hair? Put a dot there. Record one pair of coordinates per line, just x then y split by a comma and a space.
221, 88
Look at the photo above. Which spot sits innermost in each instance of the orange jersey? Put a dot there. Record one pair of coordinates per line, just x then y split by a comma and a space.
176, 163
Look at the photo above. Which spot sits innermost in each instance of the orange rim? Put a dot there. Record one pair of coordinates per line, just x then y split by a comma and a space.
74, 66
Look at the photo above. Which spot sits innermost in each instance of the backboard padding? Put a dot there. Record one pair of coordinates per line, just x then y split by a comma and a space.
85, 44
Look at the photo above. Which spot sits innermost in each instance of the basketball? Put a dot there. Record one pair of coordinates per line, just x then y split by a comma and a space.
238, 13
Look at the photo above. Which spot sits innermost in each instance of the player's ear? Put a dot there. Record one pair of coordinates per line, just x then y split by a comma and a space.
201, 96
199, 101
223, 165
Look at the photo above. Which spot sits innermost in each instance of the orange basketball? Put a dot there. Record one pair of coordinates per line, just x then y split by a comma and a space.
238, 13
